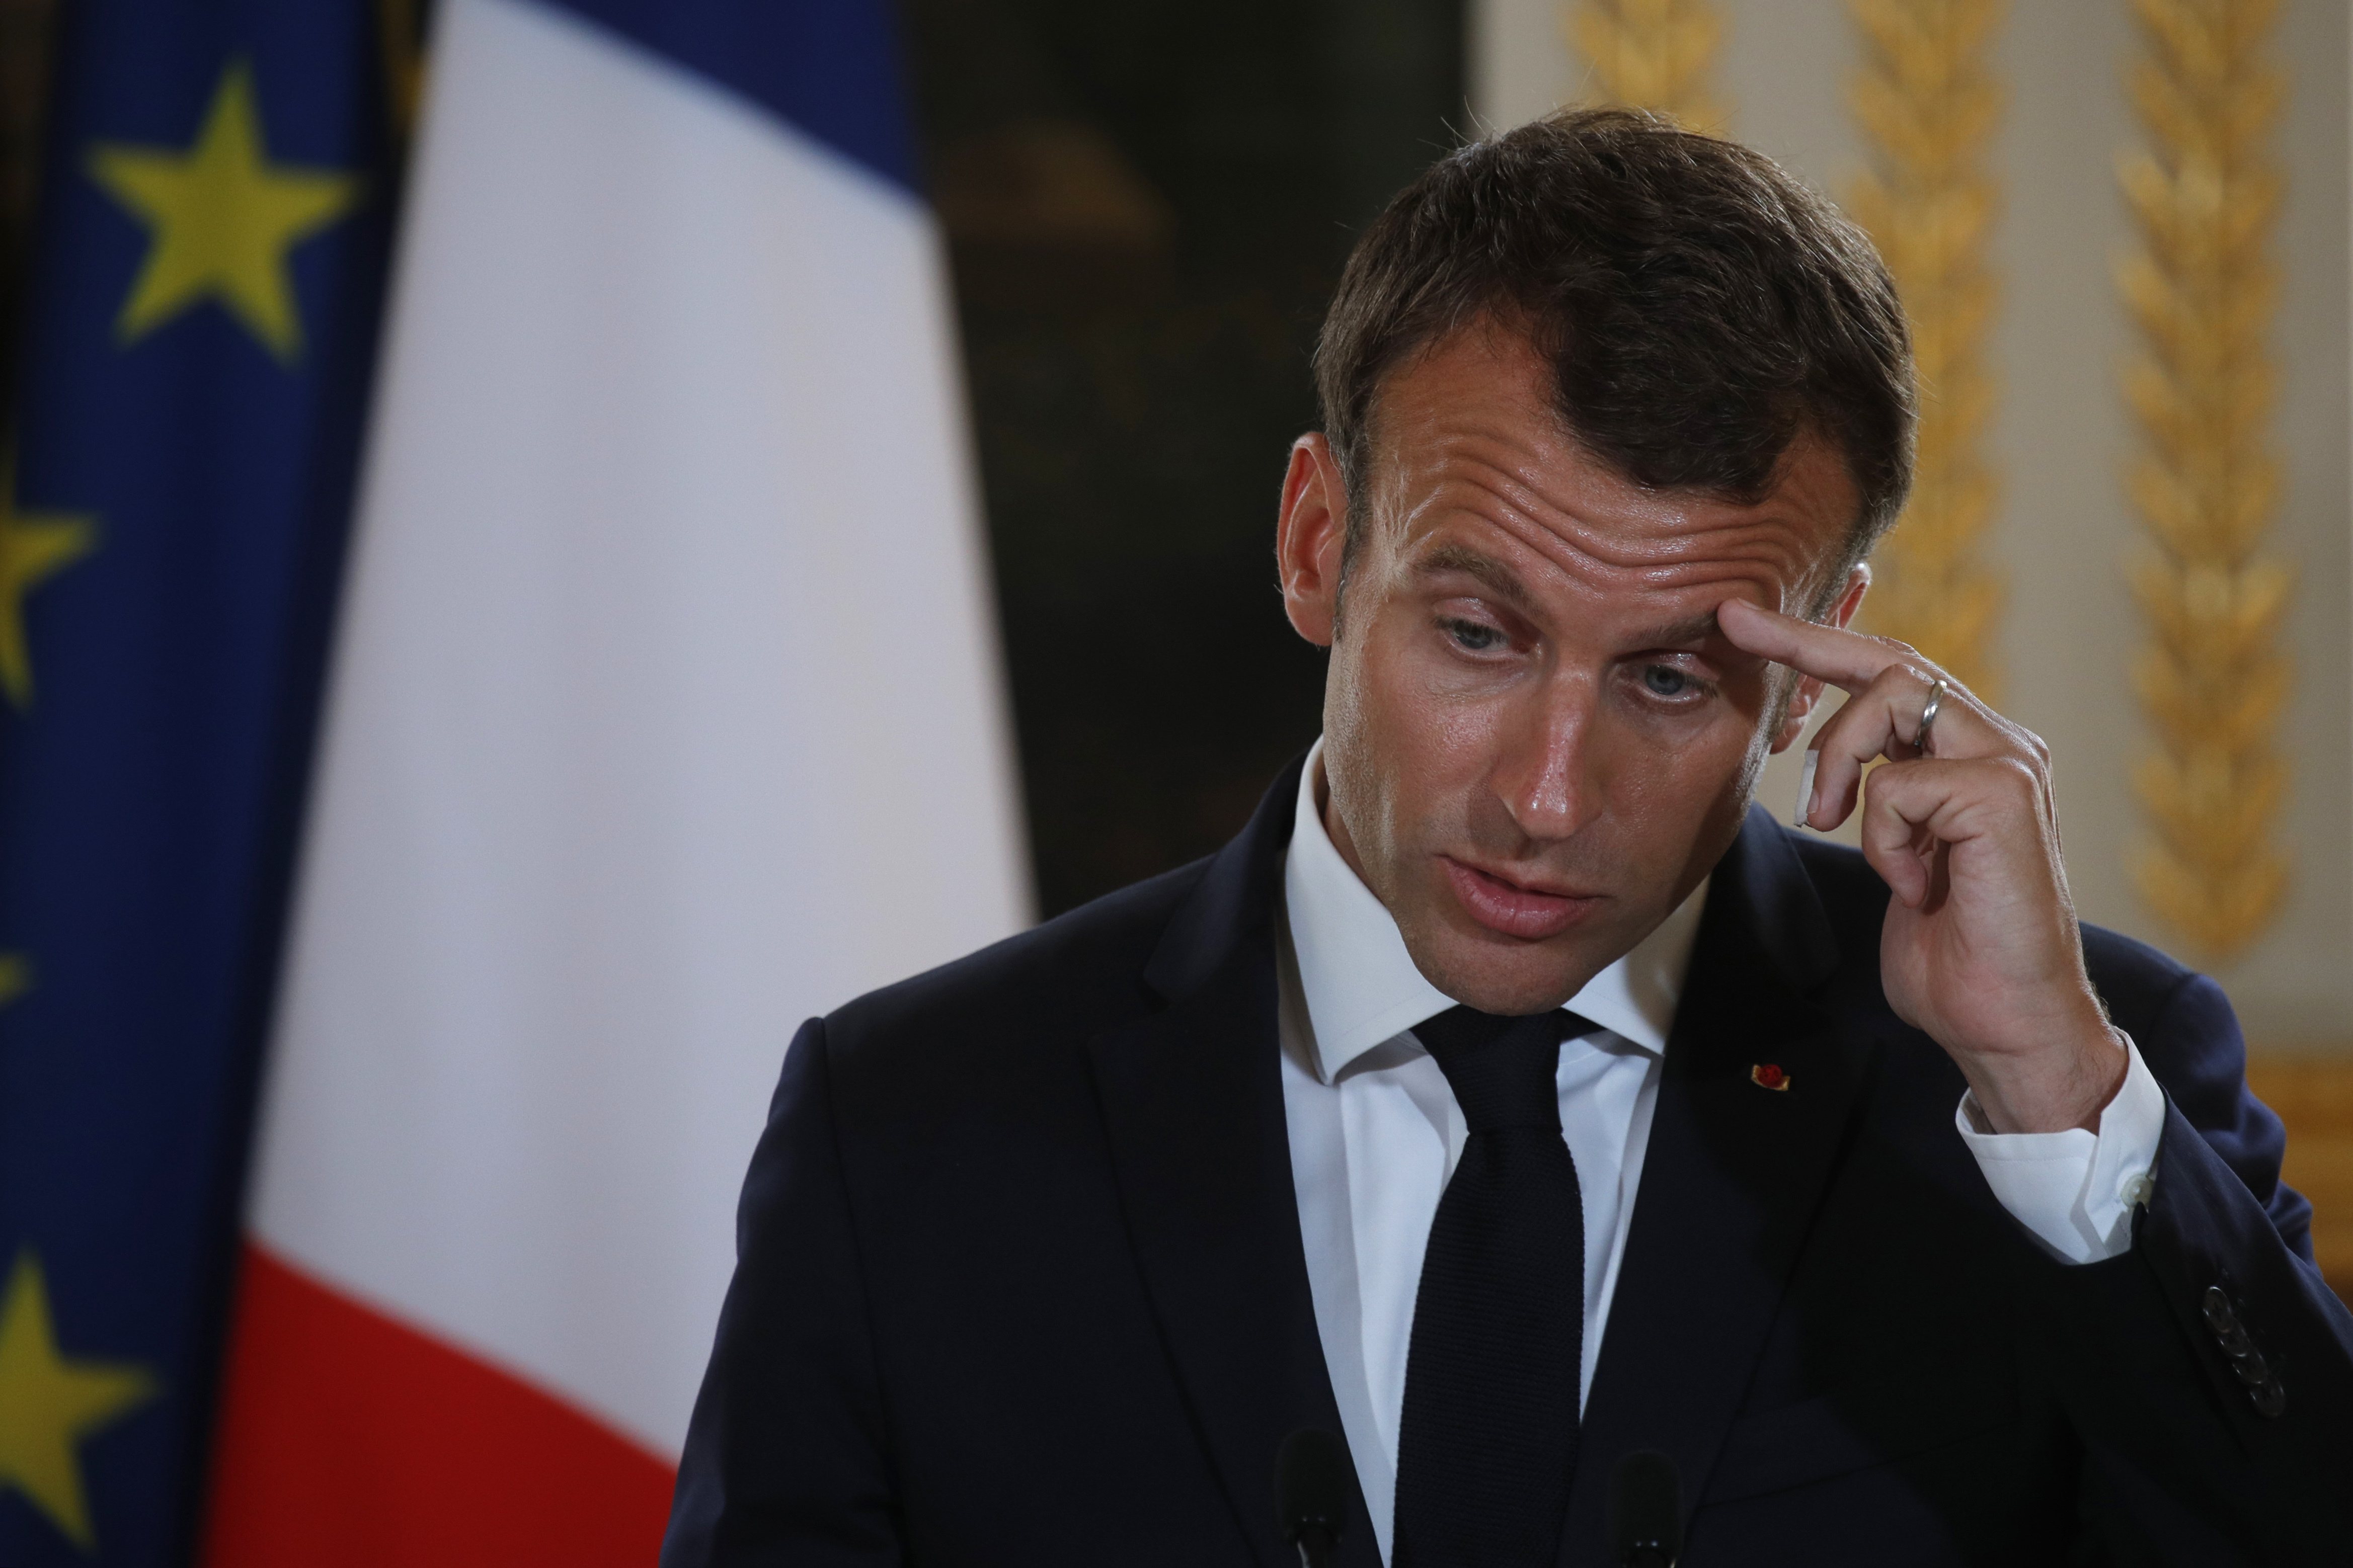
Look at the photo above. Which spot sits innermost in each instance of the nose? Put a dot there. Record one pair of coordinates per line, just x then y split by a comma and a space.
1544, 775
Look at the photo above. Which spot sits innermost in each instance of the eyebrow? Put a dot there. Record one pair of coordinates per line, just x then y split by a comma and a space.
1499, 578
1692, 629
1505, 582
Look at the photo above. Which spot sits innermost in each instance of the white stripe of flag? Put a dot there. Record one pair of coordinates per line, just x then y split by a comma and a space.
666, 711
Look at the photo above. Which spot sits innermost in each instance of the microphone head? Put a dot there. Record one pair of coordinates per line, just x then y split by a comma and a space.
1312, 1479
1646, 1522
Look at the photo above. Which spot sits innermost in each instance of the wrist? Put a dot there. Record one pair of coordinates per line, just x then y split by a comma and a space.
2064, 1085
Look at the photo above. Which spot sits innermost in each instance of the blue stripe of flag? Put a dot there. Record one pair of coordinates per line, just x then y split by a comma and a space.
830, 68
152, 770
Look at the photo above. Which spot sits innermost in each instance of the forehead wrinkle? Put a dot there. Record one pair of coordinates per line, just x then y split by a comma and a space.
1590, 555
1502, 580
1663, 538
1672, 549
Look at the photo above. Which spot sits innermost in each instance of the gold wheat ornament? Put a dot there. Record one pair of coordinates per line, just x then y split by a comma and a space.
1927, 105
2201, 290
1653, 54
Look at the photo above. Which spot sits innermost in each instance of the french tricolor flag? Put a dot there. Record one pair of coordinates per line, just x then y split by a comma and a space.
665, 712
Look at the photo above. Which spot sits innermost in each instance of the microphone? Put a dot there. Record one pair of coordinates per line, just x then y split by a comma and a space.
1646, 1522
1312, 1475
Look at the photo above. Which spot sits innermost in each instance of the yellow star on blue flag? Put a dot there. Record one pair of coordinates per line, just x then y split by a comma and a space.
33, 546
50, 1402
203, 294
223, 217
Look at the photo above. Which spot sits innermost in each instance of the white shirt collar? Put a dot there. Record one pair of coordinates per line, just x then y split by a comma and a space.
1361, 988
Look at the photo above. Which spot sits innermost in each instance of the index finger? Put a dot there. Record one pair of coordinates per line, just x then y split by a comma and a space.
1848, 660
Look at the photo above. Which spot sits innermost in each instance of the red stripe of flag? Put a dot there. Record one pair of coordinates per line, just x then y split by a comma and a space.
349, 1438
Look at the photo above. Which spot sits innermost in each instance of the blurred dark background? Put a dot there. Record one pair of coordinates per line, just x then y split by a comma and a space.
25, 31
1146, 205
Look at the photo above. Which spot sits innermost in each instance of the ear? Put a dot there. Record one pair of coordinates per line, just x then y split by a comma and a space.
1309, 532
1810, 690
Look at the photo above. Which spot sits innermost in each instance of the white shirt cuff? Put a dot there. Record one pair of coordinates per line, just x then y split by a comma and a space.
2074, 1191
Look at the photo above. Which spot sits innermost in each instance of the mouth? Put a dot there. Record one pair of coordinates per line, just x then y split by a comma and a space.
1512, 908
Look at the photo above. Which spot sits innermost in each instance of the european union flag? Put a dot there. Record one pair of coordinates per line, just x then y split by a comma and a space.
217, 204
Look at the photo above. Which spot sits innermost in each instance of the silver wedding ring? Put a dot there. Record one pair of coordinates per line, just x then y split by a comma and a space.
1928, 716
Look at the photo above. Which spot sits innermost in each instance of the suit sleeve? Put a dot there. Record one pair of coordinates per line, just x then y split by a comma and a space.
2209, 1369
786, 1459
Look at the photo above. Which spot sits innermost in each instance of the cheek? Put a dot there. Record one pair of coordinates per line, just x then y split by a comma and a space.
1420, 710
1397, 745
1345, 701
1663, 765
1350, 741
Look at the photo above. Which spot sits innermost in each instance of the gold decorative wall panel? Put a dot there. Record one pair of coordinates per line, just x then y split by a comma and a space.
2203, 288
1653, 54
2314, 1094
1927, 104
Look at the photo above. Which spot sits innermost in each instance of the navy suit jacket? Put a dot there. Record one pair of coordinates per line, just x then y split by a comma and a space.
1020, 1279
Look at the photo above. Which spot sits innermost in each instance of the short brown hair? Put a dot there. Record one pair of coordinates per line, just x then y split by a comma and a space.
1701, 307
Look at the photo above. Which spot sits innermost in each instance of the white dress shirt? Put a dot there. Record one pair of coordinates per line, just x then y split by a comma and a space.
1375, 1131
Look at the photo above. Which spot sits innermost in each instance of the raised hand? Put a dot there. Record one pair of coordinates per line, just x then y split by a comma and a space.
1980, 949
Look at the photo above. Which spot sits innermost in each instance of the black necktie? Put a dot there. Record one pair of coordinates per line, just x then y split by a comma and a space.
1487, 1445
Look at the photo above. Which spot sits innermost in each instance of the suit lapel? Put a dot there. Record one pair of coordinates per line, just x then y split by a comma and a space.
1731, 1179
1192, 1099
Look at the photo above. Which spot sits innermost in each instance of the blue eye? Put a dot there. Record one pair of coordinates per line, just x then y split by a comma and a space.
1473, 637
1665, 681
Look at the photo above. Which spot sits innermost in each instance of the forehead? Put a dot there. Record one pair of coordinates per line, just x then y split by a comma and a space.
1471, 453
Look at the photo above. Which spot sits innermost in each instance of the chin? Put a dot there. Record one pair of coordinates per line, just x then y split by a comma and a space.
1500, 976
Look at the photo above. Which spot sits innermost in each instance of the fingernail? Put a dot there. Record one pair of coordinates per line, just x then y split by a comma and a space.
1806, 790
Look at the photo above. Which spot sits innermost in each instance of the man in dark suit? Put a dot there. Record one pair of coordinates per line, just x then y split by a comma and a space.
1510, 1095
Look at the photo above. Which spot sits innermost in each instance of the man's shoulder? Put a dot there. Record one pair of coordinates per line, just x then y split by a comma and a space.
999, 1039
1082, 969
